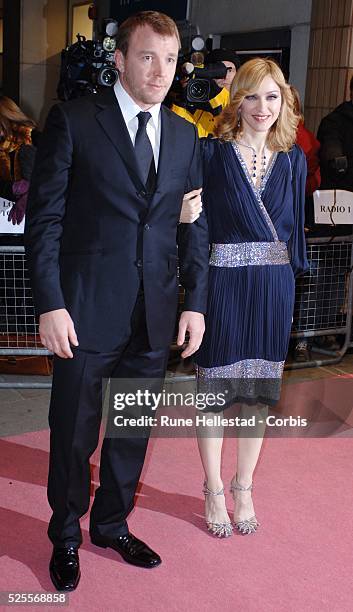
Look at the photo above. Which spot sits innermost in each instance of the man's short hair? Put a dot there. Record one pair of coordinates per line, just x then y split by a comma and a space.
159, 22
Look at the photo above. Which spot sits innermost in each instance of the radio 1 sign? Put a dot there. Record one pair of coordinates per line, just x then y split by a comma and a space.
333, 207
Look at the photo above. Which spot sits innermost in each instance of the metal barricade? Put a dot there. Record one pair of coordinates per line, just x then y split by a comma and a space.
323, 304
18, 328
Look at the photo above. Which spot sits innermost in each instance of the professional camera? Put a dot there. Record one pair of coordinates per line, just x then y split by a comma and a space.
88, 65
194, 84
200, 85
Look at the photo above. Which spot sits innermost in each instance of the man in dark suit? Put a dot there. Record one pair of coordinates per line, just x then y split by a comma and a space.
102, 241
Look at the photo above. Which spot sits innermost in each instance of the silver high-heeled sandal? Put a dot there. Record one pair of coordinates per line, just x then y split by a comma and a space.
251, 524
220, 530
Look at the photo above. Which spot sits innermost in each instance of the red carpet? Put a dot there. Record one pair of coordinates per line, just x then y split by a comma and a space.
301, 558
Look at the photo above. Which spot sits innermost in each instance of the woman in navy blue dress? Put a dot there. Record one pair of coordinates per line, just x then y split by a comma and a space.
253, 194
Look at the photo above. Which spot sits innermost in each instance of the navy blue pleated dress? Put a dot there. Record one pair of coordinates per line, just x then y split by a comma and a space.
257, 248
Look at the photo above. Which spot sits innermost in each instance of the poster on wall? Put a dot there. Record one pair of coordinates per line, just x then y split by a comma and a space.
6, 226
121, 9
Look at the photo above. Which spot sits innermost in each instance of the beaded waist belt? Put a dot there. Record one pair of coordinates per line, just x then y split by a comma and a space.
249, 254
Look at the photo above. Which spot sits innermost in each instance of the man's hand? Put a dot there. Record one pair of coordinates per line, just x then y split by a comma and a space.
192, 206
194, 323
57, 331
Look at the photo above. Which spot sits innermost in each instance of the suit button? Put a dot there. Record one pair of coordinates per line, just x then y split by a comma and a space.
139, 263
147, 227
142, 194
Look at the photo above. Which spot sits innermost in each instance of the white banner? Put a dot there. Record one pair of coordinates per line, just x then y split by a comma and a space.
6, 226
333, 206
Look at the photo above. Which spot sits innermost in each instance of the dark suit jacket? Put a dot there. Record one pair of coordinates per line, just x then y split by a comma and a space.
91, 228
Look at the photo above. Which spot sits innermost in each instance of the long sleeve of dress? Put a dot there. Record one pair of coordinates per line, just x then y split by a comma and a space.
296, 242
192, 241
207, 151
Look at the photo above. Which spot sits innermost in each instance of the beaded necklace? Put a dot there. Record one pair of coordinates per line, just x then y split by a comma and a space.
254, 162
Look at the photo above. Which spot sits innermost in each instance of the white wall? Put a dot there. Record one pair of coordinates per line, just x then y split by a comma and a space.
231, 16
244, 15
299, 57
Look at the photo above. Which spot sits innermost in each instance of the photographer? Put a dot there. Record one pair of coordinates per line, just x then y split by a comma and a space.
336, 154
206, 120
230, 60
335, 135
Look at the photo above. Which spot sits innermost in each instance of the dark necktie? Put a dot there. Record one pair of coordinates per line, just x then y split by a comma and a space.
144, 151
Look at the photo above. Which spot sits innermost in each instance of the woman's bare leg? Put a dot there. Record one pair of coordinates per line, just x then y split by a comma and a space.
210, 441
249, 447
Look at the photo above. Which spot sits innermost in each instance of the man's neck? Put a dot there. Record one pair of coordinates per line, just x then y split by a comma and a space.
140, 104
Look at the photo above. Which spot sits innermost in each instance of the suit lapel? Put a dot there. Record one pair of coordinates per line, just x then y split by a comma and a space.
112, 122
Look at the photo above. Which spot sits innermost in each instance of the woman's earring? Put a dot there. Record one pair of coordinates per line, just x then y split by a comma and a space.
239, 122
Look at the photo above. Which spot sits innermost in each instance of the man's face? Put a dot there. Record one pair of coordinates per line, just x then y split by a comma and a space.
147, 70
227, 81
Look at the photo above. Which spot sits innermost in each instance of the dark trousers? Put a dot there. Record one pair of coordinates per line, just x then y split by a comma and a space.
74, 418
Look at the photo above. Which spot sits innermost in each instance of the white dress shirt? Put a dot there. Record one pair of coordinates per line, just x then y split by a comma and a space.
130, 110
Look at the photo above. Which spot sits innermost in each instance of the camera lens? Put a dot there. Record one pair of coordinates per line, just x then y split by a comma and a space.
107, 76
198, 90
109, 44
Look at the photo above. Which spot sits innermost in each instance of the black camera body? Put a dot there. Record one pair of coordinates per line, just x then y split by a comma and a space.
201, 88
194, 87
86, 67
339, 164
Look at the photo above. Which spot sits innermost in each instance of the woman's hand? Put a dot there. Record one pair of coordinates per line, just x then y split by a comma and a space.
18, 210
192, 206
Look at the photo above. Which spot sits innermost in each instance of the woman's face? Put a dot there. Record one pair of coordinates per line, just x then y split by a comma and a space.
260, 110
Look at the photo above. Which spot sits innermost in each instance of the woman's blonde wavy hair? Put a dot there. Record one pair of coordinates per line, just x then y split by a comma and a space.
282, 134
12, 118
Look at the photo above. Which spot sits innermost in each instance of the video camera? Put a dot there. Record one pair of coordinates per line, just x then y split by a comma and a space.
194, 86
88, 65
200, 86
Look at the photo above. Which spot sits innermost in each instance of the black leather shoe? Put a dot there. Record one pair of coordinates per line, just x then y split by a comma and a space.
131, 549
65, 568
